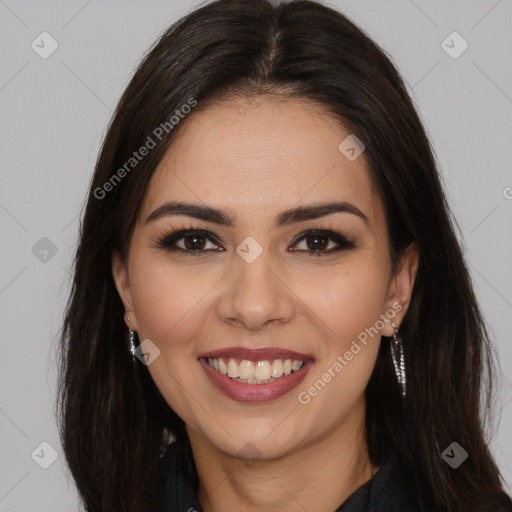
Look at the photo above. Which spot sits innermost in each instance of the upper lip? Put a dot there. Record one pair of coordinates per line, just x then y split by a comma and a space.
257, 354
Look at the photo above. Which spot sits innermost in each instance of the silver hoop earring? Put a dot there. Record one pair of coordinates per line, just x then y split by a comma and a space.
397, 354
131, 337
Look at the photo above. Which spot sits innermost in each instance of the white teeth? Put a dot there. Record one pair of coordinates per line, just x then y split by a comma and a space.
296, 365
260, 372
277, 368
232, 369
246, 370
222, 367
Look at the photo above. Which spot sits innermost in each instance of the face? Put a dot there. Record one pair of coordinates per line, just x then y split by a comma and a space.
318, 285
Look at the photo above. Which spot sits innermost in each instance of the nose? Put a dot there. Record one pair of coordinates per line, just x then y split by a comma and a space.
255, 294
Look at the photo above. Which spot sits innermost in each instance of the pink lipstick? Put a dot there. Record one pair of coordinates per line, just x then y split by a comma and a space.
253, 391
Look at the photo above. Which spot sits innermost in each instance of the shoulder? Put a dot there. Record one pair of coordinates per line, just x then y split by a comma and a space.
391, 489
394, 489
177, 479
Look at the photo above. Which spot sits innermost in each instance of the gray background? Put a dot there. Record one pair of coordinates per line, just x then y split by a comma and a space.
54, 113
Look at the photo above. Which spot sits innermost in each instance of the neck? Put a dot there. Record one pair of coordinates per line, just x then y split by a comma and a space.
337, 462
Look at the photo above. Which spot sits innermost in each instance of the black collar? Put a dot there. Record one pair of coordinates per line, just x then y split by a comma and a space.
389, 490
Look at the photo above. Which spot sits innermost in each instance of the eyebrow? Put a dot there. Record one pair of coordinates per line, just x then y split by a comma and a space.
285, 218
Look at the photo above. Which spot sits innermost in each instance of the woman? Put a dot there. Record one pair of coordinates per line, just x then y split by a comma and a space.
268, 276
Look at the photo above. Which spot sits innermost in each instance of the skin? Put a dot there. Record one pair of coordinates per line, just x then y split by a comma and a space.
256, 158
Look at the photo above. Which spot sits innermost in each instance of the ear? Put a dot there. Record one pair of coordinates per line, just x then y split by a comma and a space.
400, 287
122, 283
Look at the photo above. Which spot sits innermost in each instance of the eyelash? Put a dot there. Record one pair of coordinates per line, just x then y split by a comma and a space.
169, 238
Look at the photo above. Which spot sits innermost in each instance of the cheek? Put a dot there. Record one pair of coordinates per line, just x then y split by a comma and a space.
349, 304
167, 301
347, 299
170, 309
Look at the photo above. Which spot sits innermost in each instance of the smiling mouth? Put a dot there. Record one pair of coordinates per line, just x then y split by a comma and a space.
258, 372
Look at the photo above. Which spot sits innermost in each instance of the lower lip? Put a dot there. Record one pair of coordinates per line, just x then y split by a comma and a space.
243, 392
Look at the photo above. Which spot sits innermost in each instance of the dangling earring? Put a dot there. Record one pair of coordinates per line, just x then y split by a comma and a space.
397, 350
131, 337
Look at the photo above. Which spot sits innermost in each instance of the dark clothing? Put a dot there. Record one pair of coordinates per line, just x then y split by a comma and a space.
389, 490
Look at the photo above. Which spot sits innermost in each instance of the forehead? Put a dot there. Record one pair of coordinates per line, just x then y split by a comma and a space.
260, 156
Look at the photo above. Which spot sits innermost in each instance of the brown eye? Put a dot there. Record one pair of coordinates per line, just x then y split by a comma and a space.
194, 241
317, 242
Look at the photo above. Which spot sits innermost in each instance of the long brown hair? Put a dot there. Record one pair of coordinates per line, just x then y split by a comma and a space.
114, 422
